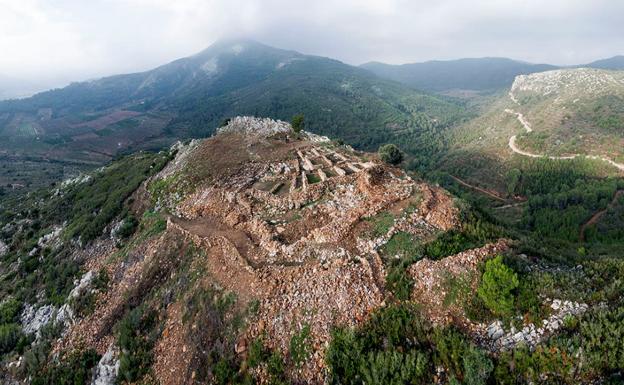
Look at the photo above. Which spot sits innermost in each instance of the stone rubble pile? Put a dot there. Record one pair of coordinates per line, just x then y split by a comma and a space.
531, 334
105, 373
250, 125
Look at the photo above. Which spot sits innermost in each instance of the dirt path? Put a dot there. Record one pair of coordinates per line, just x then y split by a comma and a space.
527, 127
510, 206
207, 227
486, 192
596, 217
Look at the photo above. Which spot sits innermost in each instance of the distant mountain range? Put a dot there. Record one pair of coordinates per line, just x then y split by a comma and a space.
91, 122
479, 74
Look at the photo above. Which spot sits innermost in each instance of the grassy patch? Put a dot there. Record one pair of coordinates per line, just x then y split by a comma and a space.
401, 245
381, 223
313, 178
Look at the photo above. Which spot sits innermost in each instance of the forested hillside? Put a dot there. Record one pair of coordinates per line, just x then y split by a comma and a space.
87, 124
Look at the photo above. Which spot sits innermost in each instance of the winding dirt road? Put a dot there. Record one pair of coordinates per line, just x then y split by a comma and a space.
527, 127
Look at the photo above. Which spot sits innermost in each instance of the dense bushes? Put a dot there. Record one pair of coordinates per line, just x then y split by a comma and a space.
393, 367
602, 337
398, 346
136, 336
397, 334
9, 310
474, 232
95, 204
10, 334
74, 369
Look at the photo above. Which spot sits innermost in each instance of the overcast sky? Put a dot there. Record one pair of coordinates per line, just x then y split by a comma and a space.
62, 40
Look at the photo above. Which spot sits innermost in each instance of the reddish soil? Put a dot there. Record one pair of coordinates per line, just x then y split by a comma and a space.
106, 120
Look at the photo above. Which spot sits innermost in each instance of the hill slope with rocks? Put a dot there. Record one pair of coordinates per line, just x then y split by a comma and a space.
261, 255
555, 115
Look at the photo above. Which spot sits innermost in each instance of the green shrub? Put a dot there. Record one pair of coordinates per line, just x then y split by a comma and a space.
475, 232
128, 227
10, 335
256, 353
398, 280
297, 123
390, 153
543, 365
74, 369
9, 311
300, 346
497, 285
450, 347
602, 334
477, 367
390, 347
394, 368
135, 344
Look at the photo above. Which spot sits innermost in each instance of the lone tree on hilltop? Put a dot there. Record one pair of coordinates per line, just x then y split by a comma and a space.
297, 123
497, 285
390, 153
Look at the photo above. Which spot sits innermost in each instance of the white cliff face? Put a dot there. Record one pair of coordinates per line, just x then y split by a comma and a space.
52, 239
33, 319
82, 285
3, 249
107, 369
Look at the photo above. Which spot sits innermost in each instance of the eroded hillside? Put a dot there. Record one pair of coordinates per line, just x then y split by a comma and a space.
290, 228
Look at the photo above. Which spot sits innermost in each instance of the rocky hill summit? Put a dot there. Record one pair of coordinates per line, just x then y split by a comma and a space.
253, 246
286, 225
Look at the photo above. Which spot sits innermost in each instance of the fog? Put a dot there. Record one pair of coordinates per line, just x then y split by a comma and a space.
46, 43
